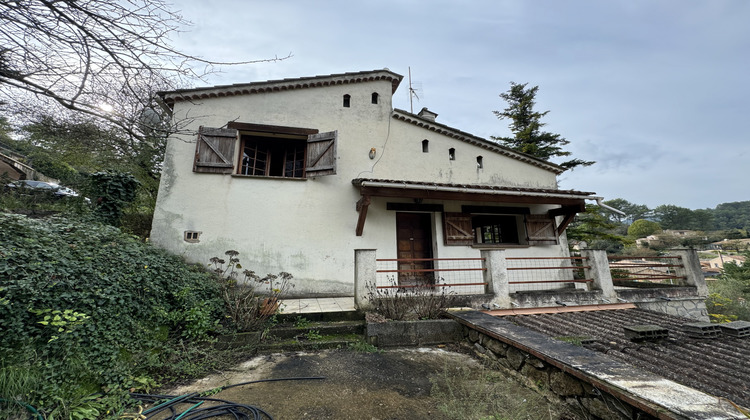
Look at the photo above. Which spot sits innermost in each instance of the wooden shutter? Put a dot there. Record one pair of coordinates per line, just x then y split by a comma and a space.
321, 154
540, 229
457, 229
214, 150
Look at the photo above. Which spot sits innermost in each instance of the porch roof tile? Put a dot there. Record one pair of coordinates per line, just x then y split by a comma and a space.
394, 183
713, 365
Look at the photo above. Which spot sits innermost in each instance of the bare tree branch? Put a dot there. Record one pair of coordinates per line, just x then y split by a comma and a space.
97, 57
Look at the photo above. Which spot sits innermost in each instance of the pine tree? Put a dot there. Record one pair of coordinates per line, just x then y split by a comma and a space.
526, 128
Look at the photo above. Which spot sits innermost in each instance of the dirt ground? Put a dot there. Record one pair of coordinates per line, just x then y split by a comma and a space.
393, 384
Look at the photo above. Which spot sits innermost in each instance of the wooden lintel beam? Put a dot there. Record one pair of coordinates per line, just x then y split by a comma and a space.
362, 205
570, 208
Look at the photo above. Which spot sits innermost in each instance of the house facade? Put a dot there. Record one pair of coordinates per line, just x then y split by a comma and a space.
718, 262
297, 174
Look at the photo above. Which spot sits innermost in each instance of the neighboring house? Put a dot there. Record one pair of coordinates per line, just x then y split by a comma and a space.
718, 262
648, 241
297, 174
731, 244
682, 233
635, 269
11, 168
658, 240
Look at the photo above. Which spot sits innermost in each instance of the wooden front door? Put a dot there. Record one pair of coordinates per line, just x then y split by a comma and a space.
414, 242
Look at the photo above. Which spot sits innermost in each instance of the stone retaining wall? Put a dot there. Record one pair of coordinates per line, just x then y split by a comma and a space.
579, 394
685, 308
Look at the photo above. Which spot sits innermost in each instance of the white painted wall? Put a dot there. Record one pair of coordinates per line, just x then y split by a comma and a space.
307, 227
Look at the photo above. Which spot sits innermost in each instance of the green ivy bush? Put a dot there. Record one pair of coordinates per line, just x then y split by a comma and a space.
85, 309
114, 191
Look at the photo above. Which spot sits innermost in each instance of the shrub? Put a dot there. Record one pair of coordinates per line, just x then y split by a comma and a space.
114, 191
90, 309
423, 301
245, 305
730, 293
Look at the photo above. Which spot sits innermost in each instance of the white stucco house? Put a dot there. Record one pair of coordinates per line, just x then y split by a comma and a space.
297, 174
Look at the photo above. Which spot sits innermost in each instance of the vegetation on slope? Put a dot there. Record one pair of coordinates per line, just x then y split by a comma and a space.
730, 293
87, 311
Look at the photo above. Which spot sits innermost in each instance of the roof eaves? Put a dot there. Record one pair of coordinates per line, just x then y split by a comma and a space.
472, 139
405, 184
280, 85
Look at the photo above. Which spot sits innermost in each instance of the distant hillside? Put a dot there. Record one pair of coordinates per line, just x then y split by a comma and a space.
732, 215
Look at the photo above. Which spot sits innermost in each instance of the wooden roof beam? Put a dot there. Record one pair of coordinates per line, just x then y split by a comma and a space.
362, 205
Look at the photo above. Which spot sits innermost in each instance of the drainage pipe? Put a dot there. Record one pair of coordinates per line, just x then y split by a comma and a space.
612, 209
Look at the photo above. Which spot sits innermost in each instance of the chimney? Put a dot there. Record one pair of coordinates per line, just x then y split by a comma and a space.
427, 114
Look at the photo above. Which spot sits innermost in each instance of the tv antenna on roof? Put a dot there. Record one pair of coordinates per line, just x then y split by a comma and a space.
413, 92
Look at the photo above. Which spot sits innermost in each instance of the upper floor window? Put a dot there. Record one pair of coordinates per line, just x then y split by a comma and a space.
480, 164
263, 156
347, 100
375, 97
267, 151
452, 154
425, 146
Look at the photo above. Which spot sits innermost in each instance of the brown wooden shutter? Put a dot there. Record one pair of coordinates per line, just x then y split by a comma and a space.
540, 229
214, 150
457, 229
321, 154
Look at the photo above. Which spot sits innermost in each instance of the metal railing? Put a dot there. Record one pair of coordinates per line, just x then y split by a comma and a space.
463, 276
546, 273
644, 272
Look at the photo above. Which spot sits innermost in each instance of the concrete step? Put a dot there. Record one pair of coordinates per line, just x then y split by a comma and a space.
291, 318
303, 334
304, 327
338, 342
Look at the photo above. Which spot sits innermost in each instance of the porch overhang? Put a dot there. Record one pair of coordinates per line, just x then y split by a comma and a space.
570, 202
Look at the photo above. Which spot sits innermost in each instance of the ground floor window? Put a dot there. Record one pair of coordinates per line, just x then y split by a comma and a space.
499, 226
495, 229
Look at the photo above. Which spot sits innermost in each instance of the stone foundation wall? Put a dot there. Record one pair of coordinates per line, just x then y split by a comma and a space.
579, 394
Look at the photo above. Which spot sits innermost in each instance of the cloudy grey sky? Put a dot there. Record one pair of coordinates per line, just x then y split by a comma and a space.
657, 92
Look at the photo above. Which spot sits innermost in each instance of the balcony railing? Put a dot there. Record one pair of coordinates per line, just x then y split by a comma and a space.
463, 276
546, 273
647, 272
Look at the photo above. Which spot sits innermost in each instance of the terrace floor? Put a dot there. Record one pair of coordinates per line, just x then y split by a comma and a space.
317, 305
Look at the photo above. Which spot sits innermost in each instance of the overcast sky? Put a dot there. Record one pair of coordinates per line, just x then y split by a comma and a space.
656, 92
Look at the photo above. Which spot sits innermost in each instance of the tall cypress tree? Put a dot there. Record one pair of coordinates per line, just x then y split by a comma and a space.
526, 127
